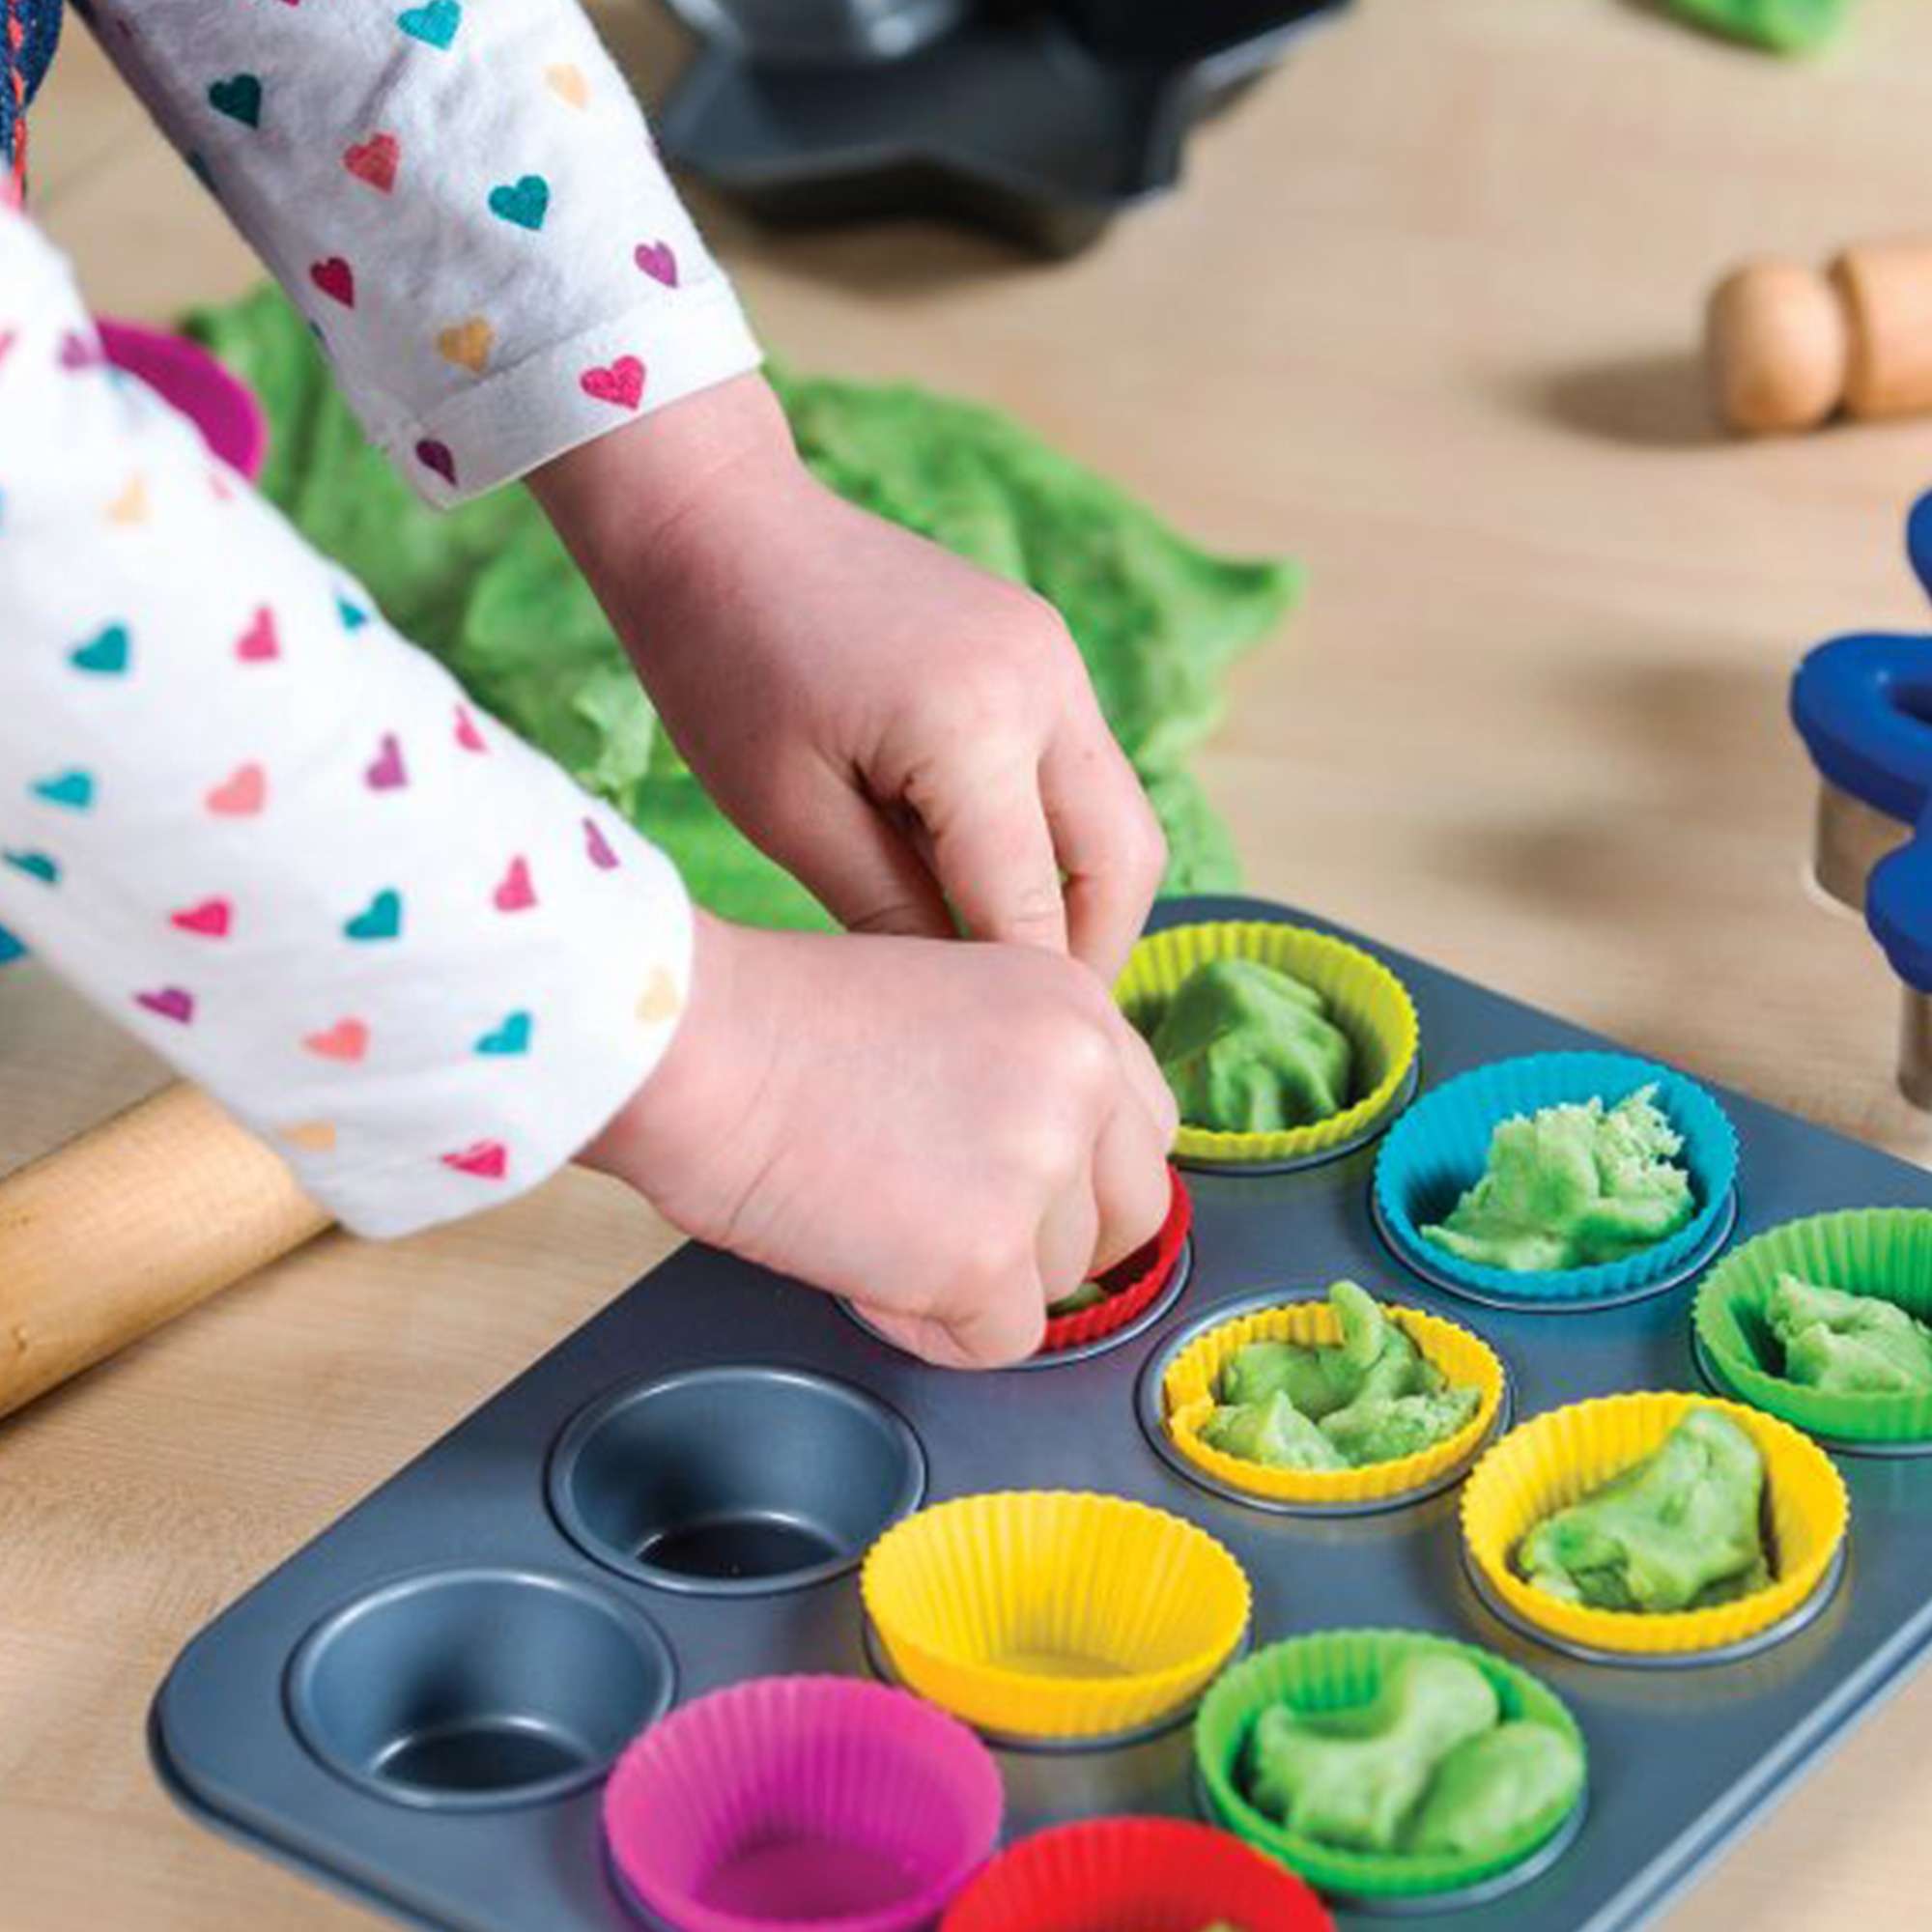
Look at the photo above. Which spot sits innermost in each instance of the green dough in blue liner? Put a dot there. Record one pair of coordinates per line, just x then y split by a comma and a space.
1429, 1765
1681, 1530
1369, 1397
1848, 1344
1249, 1049
1571, 1186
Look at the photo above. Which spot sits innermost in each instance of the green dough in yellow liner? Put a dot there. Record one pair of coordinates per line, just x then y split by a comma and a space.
1680, 1530
1848, 1344
1571, 1186
1249, 1049
1353, 1777
1369, 1397
1487, 1789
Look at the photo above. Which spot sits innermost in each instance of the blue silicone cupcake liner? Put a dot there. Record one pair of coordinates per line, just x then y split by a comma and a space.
1442, 1144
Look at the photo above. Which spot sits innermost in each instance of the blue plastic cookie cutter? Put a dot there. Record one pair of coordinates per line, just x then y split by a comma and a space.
1864, 706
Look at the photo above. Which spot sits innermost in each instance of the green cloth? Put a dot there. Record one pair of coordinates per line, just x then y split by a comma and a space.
1785, 26
490, 590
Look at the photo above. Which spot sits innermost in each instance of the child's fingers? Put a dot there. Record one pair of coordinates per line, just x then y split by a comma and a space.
1108, 842
1131, 1190
993, 852
863, 867
1069, 1233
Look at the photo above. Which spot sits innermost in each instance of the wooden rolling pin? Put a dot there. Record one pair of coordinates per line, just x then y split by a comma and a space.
1788, 347
131, 1225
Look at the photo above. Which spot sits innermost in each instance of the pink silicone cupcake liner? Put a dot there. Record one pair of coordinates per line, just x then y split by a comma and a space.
181, 372
806, 1803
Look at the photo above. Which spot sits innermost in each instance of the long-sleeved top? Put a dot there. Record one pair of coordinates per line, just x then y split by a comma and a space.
238, 811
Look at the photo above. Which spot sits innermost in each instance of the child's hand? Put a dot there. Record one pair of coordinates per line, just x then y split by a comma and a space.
951, 1135
895, 726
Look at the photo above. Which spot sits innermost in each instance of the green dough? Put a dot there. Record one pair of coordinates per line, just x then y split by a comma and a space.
1848, 1344
1273, 1432
489, 589
1250, 1050
1679, 1530
1369, 1397
1785, 26
1571, 1186
1487, 1789
1353, 1777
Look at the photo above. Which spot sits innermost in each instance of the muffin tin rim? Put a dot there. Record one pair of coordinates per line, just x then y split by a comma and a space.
1147, 1407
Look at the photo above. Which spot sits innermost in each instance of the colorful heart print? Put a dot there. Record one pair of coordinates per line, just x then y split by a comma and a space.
467, 734
130, 505
35, 864
466, 343
436, 456
374, 161
335, 278
346, 1040
170, 1003
259, 642
486, 1160
311, 1136
658, 260
78, 352
433, 24
210, 919
566, 81
238, 97
381, 918
241, 794
512, 1036
598, 847
515, 893
353, 616
106, 654
73, 789
621, 382
523, 202
387, 772
661, 1000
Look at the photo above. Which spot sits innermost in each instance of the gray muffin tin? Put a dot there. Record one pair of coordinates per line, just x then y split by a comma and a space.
417, 1708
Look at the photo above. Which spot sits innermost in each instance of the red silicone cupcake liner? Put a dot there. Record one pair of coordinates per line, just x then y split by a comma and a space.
1132, 1285
1134, 1875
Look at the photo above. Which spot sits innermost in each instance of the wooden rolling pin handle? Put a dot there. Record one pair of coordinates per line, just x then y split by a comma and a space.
133, 1223
1787, 346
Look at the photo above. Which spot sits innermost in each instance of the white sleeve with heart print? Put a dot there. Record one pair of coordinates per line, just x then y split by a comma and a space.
276, 840
463, 199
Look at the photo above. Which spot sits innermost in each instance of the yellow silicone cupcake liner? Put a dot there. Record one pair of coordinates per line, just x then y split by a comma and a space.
1365, 1000
1560, 1457
1051, 1614
1187, 1401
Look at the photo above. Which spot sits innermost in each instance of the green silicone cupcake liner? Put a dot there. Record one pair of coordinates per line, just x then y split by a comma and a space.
1331, 1670
1881, 1251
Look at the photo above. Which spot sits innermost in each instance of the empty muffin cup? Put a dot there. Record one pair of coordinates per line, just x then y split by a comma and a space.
1364, 999
462, 1689
1182, 1381
734, 1481
1885, 1252
1134, 1875
1131, 1289
1563, 1456
1046, 1616
1440, 1148
1339, 1670
813, 1804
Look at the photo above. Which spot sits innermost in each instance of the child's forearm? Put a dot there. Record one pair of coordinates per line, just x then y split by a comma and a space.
265, 834
463, 198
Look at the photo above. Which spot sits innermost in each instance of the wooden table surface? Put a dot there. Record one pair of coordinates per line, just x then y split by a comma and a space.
1425, 316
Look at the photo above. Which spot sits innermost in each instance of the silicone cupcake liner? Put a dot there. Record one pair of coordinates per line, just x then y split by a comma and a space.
1049, 1615
183, 373
1365, 998
1882, 1251
1333, 1671
813, 1804
1187, 1372
1133, 1287
1134, 1875
1440, 1147
1562, 1456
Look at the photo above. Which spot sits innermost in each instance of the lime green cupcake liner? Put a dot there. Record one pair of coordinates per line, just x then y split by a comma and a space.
1332, 1670
1365, 1000
1880, 1251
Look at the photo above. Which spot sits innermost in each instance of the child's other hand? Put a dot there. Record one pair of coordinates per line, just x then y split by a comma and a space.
896, 728
951, 1135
